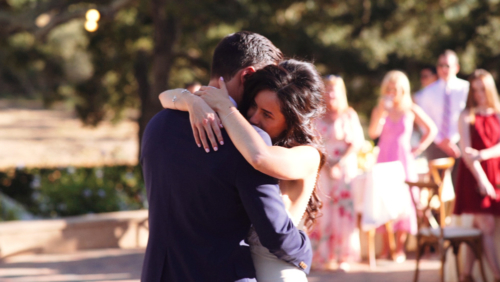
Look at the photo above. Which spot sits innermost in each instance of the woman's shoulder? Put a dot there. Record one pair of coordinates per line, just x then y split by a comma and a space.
350, 112
416, 110
467, 115
350, 115
310, 153
307, 149
466, 112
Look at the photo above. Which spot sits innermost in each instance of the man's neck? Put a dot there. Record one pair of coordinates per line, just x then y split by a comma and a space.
448, 79
215, 83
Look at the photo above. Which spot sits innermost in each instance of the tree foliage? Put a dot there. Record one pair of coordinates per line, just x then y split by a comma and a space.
143, 47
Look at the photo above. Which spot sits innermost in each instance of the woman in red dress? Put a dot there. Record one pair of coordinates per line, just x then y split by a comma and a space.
479, 170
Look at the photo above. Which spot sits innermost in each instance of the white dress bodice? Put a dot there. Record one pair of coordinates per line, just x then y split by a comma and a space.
268, 267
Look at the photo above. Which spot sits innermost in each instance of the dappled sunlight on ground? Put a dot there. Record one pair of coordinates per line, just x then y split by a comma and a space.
95, 265
125, 265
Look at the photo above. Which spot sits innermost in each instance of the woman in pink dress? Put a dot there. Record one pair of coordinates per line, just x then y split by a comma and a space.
392, 122
334, 239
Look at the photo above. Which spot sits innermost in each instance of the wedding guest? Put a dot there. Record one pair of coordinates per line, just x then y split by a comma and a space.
335, 241
443, 101
428, 75
392, 122
479, 169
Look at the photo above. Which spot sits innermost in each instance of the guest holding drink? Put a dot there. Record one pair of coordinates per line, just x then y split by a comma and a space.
479, 170
392, 122
334, 239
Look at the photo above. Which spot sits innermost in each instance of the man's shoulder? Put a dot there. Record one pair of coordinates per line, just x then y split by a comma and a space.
462, 83
168, 114
426, 93
264, 135
166, 118
246, 170
433, 87
418, 95
162, 125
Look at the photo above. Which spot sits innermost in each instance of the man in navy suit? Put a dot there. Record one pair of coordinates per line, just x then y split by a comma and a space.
201, 206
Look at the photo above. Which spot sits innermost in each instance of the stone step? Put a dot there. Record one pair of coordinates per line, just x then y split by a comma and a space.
125, 229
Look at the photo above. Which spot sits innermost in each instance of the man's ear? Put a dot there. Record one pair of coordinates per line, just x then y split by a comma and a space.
246, 71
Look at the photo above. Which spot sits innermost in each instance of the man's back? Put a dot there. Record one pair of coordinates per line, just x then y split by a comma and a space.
196, 215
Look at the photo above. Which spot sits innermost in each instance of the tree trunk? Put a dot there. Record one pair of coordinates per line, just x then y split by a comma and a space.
141, 69
165, 37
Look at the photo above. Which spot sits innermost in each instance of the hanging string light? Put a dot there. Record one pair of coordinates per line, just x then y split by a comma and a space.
92, 16
42, 20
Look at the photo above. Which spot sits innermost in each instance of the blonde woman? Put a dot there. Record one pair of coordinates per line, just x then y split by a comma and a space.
479, 169
334, 236
392, 122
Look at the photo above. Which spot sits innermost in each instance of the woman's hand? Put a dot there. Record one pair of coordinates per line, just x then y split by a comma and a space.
473, 155
416, 151
386, 102
205, 122
486, 189
449, 148
215, 98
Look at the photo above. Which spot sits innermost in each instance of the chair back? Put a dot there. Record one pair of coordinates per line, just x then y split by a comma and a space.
429, 190
439, 168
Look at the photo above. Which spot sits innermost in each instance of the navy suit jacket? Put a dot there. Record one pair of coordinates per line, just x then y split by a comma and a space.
201, 207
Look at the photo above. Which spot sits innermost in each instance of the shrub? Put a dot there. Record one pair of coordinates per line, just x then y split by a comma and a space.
75, 191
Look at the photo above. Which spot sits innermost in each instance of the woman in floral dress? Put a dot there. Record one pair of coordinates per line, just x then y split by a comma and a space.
335, 240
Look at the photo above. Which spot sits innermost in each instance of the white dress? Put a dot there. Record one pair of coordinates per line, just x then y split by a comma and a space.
270, 268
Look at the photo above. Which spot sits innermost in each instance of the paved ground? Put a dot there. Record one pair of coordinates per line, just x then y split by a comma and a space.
125, 266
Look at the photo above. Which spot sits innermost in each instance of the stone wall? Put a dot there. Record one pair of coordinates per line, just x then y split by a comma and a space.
127, 229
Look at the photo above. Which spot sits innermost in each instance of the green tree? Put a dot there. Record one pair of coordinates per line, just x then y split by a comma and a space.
140, 49
362, 40
144, 47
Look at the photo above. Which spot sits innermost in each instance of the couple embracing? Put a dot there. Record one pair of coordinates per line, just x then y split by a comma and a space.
237, 213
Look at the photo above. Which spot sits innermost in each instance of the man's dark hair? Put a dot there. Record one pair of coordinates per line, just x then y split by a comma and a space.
240, 50
431, 68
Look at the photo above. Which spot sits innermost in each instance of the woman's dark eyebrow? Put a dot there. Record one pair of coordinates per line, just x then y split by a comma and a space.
268, 112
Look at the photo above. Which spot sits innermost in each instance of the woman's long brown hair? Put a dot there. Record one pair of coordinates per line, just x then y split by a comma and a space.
299, 88
490, 89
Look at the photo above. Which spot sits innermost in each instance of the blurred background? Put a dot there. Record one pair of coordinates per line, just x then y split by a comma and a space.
79, 79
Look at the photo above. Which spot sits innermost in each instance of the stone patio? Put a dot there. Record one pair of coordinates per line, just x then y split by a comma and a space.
120, 265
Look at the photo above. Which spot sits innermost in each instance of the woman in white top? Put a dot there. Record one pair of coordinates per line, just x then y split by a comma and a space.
284, 101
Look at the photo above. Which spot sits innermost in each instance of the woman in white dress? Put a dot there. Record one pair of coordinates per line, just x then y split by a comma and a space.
284, 101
